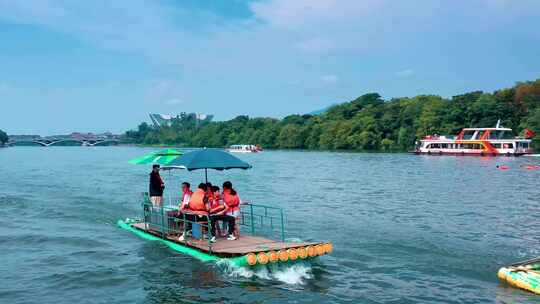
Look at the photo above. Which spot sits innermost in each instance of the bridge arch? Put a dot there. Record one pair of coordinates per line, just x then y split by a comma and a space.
66, 142
106, 142
31, 143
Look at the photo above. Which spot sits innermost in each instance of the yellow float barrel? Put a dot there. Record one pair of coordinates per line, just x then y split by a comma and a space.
273, 256
262, 258
293, 254
251, 259
283, 255
319, 249
311, 251
328, 248
302, 252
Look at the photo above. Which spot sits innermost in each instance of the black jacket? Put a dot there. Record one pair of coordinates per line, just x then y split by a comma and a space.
156, 184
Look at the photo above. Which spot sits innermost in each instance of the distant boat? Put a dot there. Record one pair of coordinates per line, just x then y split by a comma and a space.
476, 141
244, 149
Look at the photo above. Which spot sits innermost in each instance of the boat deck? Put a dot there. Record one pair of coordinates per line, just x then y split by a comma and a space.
222, 247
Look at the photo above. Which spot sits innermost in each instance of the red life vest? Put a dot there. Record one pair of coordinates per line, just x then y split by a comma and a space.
184, 194
196, 202
214, 200
232, 201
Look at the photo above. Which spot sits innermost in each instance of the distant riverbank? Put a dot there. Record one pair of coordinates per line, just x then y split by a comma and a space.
367, 123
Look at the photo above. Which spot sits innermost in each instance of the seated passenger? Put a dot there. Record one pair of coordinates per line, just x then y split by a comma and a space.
209, 193
184, 200
231, 201
199, 199
197, 202
186, 195
215, 198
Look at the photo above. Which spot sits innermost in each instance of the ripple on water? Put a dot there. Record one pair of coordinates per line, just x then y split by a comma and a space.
405, 229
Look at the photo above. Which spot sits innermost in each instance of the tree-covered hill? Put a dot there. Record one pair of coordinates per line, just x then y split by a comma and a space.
3, 138
365, 123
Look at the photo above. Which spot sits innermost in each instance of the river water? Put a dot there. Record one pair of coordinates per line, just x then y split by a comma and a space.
405, 229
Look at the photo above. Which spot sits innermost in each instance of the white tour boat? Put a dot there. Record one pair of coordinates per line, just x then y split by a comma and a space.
477, 141
244, 149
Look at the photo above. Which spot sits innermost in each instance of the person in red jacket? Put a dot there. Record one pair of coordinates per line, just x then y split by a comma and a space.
197, 202
214, 198
231, 201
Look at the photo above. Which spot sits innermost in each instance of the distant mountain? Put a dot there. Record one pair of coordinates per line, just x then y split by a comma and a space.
321, 111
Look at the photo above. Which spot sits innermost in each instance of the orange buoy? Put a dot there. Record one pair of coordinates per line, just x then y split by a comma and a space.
251, 259
272, 256
302, 252
503, 167
328, 248
262, 258
319, 249
293, 254
311, 251
283, 255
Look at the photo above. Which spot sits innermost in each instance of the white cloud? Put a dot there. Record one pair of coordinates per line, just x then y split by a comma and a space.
302, 14
404, 73
174, 101
329, 78
290, 14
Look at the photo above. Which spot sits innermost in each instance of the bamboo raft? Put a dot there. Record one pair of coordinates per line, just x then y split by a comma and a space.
524, 275
247, 250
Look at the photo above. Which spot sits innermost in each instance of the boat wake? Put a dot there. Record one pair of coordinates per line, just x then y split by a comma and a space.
295, 274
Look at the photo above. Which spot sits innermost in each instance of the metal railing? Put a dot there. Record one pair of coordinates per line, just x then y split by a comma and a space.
260, 219
256, 220
163, 221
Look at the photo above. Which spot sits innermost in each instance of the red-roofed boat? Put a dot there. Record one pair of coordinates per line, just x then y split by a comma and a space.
476, 141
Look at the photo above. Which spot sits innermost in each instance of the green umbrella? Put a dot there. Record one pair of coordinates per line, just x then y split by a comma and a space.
163, 157
209, 159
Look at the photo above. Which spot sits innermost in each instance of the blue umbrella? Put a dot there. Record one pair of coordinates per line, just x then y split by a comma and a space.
209, 159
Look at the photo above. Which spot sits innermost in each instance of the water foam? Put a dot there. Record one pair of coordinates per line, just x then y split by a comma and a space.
292, 274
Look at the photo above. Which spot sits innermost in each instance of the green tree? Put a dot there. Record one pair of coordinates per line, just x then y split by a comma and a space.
290, 137
387, 144
3, 137
365, 123
533, 123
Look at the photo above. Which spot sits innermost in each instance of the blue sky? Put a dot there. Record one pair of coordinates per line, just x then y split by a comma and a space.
104, 65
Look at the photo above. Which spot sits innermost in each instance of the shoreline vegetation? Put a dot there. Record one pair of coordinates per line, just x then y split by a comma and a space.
3, 139
367, 123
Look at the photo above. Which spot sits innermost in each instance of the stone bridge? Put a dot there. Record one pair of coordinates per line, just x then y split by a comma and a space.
65, 142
